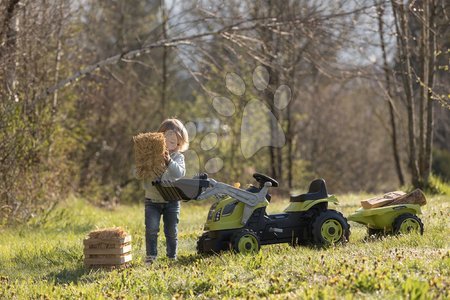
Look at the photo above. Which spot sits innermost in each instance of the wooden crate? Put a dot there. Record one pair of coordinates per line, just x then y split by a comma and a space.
107, 253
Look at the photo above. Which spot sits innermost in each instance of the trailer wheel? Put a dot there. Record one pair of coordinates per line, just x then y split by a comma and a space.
246, 242
330, 227
407, 223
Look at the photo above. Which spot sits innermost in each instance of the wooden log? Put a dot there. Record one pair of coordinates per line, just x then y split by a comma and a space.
384, 200
415, 197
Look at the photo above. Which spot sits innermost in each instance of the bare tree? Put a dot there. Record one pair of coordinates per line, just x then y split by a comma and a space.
415, 24
28, 156
389, 94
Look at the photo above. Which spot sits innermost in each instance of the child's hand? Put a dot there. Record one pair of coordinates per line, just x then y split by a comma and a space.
167, 157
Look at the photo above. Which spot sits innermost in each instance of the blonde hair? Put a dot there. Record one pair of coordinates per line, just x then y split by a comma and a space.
176, 126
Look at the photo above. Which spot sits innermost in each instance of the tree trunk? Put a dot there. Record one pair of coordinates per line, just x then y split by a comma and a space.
164, 62
57, 61
431, 27
8, 49
269, 100
7, 27
403, 46
424, 54
394, 142
290, 153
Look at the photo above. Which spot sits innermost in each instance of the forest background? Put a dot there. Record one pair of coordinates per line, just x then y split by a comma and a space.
356, 92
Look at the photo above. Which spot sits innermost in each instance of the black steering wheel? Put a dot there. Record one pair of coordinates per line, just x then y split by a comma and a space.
261, 179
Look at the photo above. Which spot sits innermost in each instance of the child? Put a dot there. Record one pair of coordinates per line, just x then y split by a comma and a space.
176, 141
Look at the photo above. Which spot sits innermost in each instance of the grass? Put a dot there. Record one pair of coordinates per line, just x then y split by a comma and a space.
43, 259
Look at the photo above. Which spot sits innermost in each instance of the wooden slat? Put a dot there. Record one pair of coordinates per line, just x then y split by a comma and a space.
105, 246
108, 267
121, 250
108, 260
90, 241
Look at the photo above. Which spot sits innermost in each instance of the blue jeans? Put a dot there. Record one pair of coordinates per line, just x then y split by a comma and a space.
171, 214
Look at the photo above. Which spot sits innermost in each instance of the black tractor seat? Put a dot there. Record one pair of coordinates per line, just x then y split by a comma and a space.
317, 190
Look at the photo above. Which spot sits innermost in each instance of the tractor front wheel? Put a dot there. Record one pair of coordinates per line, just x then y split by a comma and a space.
245, 242
407, 223
201, 244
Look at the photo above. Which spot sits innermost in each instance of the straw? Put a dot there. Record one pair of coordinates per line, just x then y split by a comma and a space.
149, 151
108, 233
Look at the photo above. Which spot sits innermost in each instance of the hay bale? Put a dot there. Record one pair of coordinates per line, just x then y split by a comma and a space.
149, 151
108, 233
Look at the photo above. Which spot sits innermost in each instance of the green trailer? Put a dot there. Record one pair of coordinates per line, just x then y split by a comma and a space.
395, 219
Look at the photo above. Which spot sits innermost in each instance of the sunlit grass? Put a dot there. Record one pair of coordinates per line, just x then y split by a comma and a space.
44, 258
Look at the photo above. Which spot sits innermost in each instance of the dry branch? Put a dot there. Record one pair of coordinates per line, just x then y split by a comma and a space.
238, 26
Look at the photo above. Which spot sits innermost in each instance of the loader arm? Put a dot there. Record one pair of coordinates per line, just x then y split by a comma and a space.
248, 198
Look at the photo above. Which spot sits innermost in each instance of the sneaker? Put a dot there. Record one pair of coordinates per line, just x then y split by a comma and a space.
149, 260
172, 261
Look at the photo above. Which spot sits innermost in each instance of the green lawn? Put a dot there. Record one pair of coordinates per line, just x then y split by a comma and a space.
44, 259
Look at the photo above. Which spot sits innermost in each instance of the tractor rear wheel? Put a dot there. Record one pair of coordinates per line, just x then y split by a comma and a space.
330, 227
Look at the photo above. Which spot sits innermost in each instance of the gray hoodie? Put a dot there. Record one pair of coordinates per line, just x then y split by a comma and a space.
175, 170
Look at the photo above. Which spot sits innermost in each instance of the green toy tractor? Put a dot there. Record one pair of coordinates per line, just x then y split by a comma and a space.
238, 219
